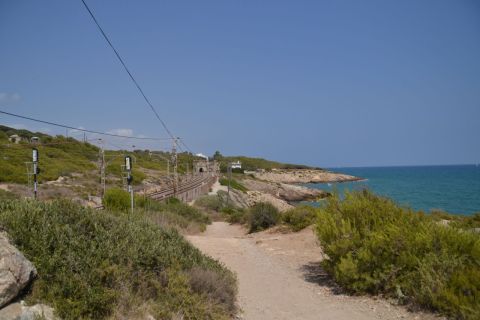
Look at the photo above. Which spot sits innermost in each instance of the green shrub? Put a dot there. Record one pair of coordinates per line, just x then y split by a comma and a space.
234, 184
457, 221
95, 264
210, 202
116, 199
235, 215
300, 217
184, 210
217, 287
171, 213
262, 216
375, 246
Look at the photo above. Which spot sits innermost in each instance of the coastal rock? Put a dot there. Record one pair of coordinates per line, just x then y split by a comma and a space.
16, 271
238, 199
285, 191
303, 176
19, 311
257, 196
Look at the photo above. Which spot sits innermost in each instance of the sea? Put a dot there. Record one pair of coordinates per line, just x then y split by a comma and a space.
451, 188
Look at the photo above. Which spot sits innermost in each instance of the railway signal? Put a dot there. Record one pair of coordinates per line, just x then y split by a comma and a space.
35, 171
128, 167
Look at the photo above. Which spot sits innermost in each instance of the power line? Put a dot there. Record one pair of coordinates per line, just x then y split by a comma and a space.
127, 70
80, 129
185, 145
44, 144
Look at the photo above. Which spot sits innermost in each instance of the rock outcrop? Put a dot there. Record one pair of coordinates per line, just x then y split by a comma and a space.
19, 311
16, 271
303, 176
257, 196
285, 191
238, 199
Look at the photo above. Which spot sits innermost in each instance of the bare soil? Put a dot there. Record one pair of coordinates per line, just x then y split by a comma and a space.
280, 277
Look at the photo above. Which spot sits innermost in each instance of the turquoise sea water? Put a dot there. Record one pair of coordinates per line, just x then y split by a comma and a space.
455, 189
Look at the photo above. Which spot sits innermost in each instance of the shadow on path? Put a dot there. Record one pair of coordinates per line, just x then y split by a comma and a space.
314, 273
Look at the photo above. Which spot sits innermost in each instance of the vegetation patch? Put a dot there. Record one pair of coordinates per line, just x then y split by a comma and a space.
66, 156
262, 216
233, 184
210, 202
252, 164
7, 195
457, 221
236, 215
101, 264
300, 217
374, 246
169, 213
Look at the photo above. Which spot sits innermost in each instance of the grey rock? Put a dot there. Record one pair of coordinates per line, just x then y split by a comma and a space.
16, 271
237, 198
19, 311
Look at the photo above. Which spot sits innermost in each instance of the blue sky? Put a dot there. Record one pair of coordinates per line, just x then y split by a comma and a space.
327, 83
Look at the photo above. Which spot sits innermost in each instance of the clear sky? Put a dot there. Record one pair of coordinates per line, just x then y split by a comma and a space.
326, 83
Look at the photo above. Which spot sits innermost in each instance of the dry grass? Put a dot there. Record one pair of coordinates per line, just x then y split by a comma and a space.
218, 288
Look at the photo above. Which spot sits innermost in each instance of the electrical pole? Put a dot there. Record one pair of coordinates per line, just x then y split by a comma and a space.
175, 167
229, 173
128, 167
35, 171
102, 168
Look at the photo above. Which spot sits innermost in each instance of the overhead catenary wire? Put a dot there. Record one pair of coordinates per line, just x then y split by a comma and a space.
81, 129
185, 145
127, 70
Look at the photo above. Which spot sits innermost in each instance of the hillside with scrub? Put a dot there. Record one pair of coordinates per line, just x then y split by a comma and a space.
71, 168
115, 265
252, 164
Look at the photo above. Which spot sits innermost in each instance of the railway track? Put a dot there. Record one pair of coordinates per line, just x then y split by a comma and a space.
186, 187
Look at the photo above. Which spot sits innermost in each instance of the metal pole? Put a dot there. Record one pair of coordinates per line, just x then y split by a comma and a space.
35, 180
229, 172
35, 171
128, 166
175, 166
131, 197
102, 169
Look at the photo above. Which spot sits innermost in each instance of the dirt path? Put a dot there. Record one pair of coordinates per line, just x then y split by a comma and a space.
279, 277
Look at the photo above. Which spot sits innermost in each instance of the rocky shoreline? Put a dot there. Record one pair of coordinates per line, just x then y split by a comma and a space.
299, 176
281, 187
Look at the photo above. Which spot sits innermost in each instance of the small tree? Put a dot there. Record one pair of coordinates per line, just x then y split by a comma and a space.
217, 156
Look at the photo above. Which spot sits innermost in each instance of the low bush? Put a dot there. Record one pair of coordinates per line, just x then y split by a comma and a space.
262, 216
210, 202
169, 213
184, 210
217, 287
116, 199
97, 265
300, 217
374, 246
457, 221
235, 215
234, 184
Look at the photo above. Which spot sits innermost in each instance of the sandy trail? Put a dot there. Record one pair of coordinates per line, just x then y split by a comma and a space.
279, 277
